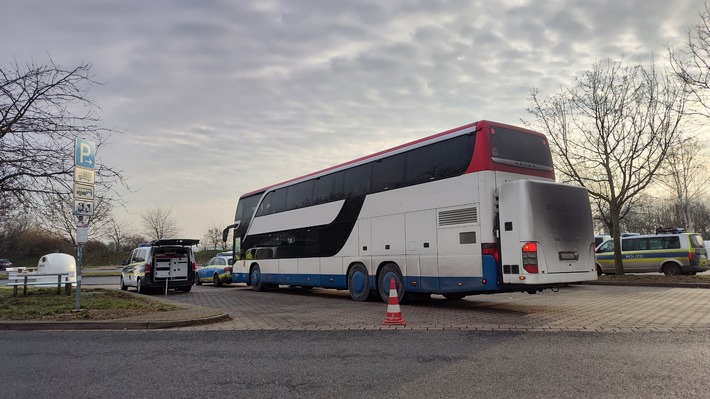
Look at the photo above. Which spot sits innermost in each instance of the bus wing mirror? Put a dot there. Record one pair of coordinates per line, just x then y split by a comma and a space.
225, 232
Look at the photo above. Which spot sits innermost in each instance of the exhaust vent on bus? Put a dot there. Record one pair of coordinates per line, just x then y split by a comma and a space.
458, 216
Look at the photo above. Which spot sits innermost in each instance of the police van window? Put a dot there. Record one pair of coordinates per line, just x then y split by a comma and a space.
606, 247
634, 244
671, 242
697, 241
656, 243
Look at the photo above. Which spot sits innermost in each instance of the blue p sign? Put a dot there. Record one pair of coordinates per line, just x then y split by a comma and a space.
84, 153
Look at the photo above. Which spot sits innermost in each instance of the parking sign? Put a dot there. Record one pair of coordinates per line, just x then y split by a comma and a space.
84, 153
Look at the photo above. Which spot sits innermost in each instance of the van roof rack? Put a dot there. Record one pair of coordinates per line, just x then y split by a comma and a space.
669, 230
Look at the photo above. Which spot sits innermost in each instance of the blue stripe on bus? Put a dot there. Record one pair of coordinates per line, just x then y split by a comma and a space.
422, 284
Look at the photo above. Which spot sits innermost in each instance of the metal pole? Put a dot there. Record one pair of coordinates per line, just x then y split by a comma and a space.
79, 255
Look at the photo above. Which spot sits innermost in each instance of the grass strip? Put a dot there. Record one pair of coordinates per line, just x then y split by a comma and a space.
96, 304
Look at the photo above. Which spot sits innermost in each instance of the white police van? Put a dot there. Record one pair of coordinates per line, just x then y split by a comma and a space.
670, 251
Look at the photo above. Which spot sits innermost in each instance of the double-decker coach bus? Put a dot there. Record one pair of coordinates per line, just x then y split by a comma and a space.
472, 210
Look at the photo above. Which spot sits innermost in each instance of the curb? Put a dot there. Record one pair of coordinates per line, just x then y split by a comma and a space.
110, 324
648, 284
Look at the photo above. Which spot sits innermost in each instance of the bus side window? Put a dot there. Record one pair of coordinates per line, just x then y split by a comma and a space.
357, 181
328, 188
388, 173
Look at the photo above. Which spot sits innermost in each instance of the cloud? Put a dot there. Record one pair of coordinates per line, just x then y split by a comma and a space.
218, 98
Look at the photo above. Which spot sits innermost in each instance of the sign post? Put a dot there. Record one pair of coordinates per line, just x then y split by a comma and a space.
84, 180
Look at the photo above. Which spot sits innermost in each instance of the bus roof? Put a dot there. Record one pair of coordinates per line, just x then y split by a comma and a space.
384, 152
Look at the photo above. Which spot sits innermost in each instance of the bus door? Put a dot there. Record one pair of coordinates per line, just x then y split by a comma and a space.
421, 252
459, 241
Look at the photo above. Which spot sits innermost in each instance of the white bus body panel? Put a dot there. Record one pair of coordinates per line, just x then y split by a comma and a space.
309, 216
558, 218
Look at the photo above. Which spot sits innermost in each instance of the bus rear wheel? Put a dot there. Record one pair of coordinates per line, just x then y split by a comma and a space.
359, 283
389, 271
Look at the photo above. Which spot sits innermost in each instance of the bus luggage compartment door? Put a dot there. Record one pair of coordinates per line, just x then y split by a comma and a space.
546, 233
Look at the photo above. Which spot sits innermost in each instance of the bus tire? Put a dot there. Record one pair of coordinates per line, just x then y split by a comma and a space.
359, 283
388, 271
256, 279
672, 269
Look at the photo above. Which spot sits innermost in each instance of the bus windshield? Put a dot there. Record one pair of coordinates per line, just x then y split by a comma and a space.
520, 149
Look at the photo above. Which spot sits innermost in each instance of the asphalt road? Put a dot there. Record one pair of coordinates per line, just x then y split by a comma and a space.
353, 364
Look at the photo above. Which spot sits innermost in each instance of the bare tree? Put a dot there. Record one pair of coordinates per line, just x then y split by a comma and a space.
57, 216
684, 176
213, 238
117, 231
43, 108
612, 131
691, 63
159, 223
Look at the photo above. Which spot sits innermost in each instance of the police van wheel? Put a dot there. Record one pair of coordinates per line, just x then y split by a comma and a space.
138, 286
672, 269
123, 286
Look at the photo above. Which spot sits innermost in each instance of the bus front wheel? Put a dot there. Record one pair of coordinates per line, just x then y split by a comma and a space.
389, 271
255, 277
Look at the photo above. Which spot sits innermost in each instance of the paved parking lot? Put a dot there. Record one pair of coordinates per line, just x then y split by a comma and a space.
574, 308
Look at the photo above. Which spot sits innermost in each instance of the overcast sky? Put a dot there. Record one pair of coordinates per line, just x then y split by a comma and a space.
216, 98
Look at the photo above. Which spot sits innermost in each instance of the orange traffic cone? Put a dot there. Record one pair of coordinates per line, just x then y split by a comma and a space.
394, 315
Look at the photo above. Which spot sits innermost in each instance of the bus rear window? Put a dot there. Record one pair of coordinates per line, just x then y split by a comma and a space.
520, 149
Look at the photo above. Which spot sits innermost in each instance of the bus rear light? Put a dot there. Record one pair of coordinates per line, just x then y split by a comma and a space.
491, 249
530, 257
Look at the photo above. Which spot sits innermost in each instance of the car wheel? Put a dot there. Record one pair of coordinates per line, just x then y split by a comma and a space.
197, 279
389, 271
216, 281
138, 286
672, 269
359, 283
257, 284
123, 286
599, 270
454, 296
